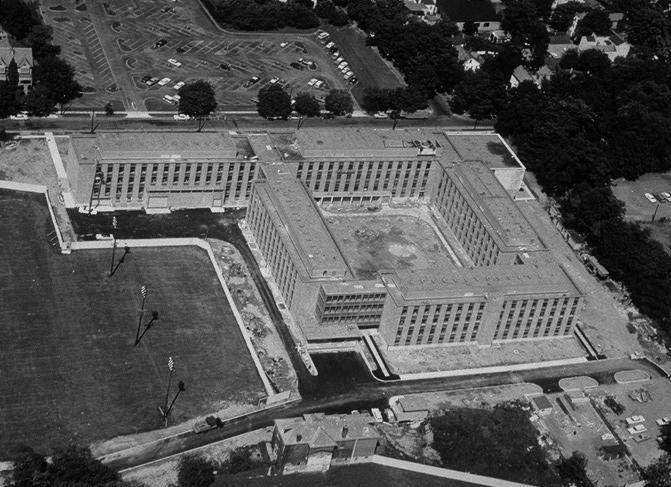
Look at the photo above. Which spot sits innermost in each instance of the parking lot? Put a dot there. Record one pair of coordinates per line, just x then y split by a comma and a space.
114, 45
633, 194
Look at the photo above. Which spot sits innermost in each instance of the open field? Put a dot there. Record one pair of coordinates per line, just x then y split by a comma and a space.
374, 243
111, 46
69, 366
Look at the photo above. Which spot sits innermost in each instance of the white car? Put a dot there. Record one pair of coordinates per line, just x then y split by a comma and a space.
319, 84
323, 35
639, 428
632, 420
348, 75
377, 414
330, 45
666, 195
312, 82
380, 115
181, 116
663, 421
170, 99
164, 81
650, 198
284, 44
335, 55
343, 64
338, 60
174, 62
274, 80
19, 116
179, 85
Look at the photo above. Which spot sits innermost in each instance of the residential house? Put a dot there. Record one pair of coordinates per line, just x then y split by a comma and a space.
521, 74
613, 45
316, 441
423, 7
480, 12
23, 56
471, 60
409, 408
559, 44
592, 4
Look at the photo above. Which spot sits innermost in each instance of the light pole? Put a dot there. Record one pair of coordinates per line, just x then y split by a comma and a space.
114, 225
180, 388
154, 318
171, 369
143, 292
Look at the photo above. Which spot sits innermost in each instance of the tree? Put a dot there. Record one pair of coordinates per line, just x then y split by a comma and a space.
573, 469
594, 22
39, 39
12, 74
9, 102
17, 18
665, 432
197, 100
504, 62
518, 17
650, 32
274, 102
56, 77
339, 102
469, 28
590, 61
481, 94
563, 15
307, 105
195, 471
39, 103
586, 208
658, 473
29, 467
376, 100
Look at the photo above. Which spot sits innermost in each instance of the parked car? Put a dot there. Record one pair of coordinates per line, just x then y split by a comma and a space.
663, 421
181, 116
632, 420
322, 35
347, 76
151, 81
639, 428
251, 81
319, 84
353, 80
296, 65
169, 99
660, 198
380, 115
283, 44
330, 45
312, 82
19, 116
179, 85
160, 43
225, 66
174, 62
335, 55
650, 198
144, 79
666, 196
274, 80
164, 81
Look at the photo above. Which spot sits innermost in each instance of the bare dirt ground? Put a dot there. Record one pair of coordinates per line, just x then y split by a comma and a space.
266, 340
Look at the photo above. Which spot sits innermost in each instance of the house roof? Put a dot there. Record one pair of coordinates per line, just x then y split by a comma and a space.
465, 10
21, 55
521, 74
322, 431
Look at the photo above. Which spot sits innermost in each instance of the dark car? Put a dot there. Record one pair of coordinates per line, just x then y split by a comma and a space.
296, 65
145, 79
225, 66
160, 43
353, 80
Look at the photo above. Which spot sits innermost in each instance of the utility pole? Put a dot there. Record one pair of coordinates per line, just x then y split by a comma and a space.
114, 225
143, 292
154, 318
171, 369
654, 214
180, 388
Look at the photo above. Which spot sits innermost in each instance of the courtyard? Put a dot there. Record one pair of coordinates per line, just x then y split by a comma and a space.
378, 242
113, 45
69, 358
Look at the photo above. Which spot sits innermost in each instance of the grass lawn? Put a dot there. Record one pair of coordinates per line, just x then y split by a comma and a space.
68, 368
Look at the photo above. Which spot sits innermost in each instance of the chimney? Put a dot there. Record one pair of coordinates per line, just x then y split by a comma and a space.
345, 430
299, 437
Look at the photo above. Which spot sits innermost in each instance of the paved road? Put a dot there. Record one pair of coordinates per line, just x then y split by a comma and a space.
82, 123
373, 394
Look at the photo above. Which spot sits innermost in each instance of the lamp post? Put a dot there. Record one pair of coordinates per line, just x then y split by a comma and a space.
180, 388
143, 292
114, 225
171, 369
154, 318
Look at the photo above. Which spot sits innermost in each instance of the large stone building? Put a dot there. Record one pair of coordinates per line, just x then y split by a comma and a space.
501, 284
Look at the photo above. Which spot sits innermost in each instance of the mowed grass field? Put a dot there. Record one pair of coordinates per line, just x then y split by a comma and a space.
68, 367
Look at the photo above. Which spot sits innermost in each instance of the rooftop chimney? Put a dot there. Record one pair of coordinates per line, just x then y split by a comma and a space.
345, 430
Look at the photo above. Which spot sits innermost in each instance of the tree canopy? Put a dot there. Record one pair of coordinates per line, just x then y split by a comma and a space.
339, 102
262, 15
307, 105
274, 102
197, 100
195, 471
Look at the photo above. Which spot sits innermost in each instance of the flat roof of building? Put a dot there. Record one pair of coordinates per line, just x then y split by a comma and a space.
487, 148
502, 216
162, 145
306, 228
461, 282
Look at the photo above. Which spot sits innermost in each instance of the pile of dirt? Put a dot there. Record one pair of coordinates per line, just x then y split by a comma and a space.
367, 234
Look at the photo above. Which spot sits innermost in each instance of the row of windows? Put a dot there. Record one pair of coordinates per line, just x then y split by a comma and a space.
273, 249
465, 224
402, 178
535, 318
123, 179
437, 324
355, 298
